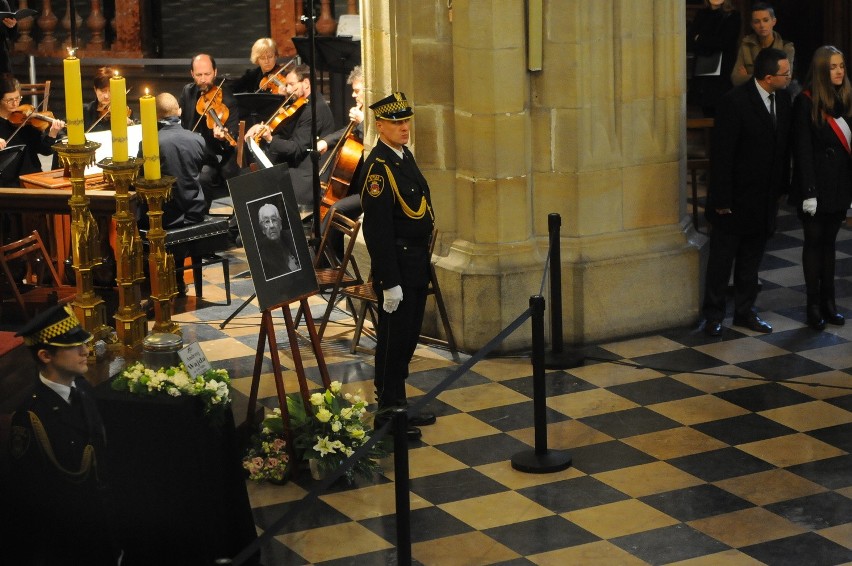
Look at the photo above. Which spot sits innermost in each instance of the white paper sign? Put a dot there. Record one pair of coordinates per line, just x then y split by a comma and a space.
134, 138
194, 359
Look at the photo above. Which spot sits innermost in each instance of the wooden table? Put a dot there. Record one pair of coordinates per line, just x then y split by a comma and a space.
48, 192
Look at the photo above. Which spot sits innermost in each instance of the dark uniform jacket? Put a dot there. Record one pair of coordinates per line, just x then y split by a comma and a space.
57, 455
36, 143
291, 142
749, 161
398, 217
822, 166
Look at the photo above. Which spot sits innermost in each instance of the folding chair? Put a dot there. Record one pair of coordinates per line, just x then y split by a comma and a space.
36, 90
370, 305
30, 276
333, 273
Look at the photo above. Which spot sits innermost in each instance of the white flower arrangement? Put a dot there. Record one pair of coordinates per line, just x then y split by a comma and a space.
212, 387
334, 431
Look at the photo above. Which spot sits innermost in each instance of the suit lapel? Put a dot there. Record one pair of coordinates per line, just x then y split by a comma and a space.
760, 107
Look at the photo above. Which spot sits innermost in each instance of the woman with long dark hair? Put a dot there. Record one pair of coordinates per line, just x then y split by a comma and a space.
822, 178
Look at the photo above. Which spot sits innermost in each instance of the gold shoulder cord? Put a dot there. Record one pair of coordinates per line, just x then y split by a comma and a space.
415, 214
86, 464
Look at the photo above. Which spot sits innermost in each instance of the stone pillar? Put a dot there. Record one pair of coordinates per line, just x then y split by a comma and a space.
596, 136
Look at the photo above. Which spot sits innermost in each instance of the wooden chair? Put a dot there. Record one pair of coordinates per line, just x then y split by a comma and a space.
370, 305
37, 90
335, 274
30, 276
698, 158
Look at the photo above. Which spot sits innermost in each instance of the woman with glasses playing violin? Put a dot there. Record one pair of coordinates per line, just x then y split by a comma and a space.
24, 125
291, 141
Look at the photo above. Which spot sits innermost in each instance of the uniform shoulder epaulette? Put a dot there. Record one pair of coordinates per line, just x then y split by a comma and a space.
380, 160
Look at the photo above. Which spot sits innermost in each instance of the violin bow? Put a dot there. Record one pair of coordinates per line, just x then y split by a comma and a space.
209, 104
275, 74
101, 117
337, 146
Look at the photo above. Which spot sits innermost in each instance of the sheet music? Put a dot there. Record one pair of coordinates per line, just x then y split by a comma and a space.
134, 138
258, 154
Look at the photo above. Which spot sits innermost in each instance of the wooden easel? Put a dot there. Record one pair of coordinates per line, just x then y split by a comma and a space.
267, 336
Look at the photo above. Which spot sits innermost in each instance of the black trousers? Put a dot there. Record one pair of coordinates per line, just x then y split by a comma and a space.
743, 252
818, 253
396, 339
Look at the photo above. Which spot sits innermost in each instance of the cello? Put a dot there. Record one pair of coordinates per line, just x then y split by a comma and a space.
344, 160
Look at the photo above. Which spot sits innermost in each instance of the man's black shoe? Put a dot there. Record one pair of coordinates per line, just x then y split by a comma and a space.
753, 322
421, 419
713, 328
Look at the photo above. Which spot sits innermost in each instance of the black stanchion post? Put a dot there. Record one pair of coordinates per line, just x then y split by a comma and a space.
401, 486
557, 359
541, 460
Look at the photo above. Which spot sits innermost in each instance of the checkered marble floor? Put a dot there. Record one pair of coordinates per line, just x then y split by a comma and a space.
686, 449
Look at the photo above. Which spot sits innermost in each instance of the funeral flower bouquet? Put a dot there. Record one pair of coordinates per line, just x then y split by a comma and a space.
333, 432
211, 387
267, 458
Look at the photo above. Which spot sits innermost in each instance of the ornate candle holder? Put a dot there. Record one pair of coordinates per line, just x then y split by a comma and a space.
161, 264
130, 323
85, 240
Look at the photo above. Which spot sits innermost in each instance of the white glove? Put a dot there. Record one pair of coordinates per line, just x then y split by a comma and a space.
809, 206
393, 296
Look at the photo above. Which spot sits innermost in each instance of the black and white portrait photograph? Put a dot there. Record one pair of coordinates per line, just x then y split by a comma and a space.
273, 236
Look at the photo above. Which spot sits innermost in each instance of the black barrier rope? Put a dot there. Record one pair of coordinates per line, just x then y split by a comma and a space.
248, 552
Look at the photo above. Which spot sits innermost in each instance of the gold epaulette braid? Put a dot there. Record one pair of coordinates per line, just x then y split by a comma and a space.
415, 214
86, 463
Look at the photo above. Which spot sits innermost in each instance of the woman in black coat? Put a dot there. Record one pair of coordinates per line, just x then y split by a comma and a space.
715, 28
822, 178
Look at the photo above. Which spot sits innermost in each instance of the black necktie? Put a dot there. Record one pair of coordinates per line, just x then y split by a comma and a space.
772, 110
74, 399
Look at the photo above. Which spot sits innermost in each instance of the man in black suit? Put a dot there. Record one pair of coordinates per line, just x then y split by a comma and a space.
291, 142
749, 171
59, 498
398, 224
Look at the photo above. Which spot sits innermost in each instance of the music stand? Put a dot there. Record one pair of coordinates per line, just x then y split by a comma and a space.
338, 56
11, 160
258, 107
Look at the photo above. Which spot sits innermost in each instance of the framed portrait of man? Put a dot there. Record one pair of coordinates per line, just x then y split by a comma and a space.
276, 247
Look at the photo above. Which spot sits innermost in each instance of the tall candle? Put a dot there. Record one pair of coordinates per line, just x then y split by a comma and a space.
73, 100
118, 117
150, 142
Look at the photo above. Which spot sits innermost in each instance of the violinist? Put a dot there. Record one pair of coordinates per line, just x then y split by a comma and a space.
349, 202
96, 112
221, 156
264, 54
17, 128
291, 142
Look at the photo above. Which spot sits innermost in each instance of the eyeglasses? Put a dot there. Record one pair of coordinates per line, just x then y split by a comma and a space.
788, 75
10, 100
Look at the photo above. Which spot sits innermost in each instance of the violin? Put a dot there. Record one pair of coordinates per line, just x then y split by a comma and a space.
281, 115
276, 80
345, 157
211, 107
26, 114
104, 113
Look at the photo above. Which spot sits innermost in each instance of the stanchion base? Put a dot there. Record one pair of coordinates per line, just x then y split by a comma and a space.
547, 462
563, 360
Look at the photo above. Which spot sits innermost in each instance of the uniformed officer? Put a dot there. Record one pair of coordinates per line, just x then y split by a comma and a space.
398, 223
57, 450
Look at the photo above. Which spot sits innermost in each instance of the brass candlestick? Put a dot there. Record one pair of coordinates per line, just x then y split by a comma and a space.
161, 264
130, 323
85, 239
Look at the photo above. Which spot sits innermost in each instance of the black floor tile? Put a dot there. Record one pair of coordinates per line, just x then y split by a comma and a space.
839, 436
771, 262
630, 422
801, 339
573, 494
814, 512
696, 502
428, 523
720, 464
454, 486
844, 402
743, 429
777, 368
540, 535
651, 391
669, 544
679, 361
764, 396
833, 473
386, 557
606, 456
806, 548
428, 380
309, 516
485, 449
555, 383
516, 416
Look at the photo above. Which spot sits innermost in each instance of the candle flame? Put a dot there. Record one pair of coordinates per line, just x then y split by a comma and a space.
72, 51
146, 91
115, 73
